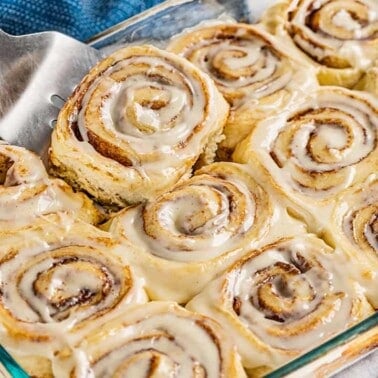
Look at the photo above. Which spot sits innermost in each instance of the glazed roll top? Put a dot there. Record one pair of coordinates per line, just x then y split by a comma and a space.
136, 124
58, 276
214, 212
156, 339
338, 133
339, 37
316, 150
26, 191
284, 299
243, 60
291, 292
337, 34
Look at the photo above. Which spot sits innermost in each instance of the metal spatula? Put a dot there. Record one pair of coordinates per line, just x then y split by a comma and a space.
37, 74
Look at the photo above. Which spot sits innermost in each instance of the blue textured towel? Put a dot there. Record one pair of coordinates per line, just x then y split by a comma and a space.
80, 19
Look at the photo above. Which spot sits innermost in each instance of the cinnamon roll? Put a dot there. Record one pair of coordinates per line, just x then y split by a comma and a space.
26, 191
354, 227
283, 300
190, 234
318, 149
60, 277
250, 68
136, 125
158, 339
340, 38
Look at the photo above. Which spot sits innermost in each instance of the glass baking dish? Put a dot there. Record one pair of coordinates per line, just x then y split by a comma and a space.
156, 26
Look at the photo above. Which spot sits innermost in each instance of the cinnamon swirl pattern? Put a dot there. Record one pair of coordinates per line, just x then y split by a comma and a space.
156, 339
316, 150
192, 233
339, 37
57, 278
354, 227
283, 300
136, 125
26, 191
251, 71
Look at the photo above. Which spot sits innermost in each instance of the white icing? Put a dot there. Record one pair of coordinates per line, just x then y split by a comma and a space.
51, 199
343, 19
167, 127
341, 31
332, 134
67, 277
247, 63
25, 166
162, 132
162, 149
198, 221
289, 298
66, 282
160, 340
322, 282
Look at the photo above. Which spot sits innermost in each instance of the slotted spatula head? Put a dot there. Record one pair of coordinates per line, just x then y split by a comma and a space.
37, 74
